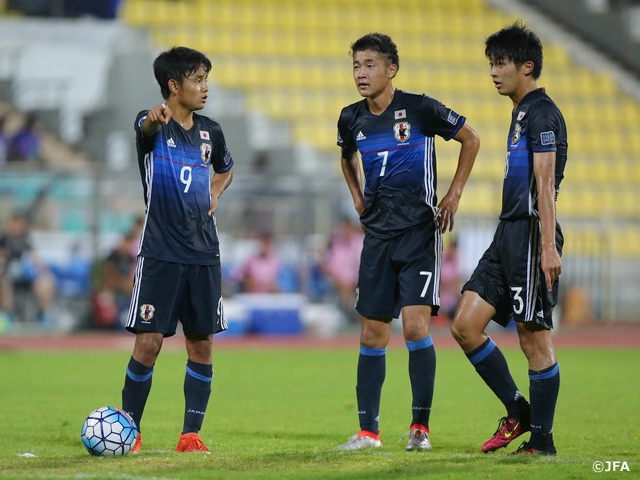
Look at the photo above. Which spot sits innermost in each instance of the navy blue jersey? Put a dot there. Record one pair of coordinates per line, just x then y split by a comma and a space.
398, 155
174, 168
537, 125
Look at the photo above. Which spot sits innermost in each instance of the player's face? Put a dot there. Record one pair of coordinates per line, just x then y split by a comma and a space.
508, 78
193, 91
371, 73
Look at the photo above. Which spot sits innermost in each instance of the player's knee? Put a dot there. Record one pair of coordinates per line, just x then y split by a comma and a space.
414, 331
537, 346
147, 347
375, 334
199, 348
467, 334
372, 340
458, 332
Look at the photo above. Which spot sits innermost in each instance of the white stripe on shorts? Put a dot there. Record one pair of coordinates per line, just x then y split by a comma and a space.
133, 306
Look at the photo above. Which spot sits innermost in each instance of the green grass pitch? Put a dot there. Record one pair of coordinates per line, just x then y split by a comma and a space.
277, 413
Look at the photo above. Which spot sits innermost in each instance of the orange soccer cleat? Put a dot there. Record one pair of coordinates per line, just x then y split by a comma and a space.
137, 444
191, 442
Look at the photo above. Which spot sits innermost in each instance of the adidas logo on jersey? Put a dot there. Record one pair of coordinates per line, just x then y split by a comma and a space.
171, 143
360, 136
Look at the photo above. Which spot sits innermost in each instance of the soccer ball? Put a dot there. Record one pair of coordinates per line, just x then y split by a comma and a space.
109, 431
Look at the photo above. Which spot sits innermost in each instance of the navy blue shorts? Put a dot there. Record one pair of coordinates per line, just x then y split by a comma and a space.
400, 271
165, 293
509, 277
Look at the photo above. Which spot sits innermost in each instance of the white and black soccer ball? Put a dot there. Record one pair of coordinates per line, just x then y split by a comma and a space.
109, 431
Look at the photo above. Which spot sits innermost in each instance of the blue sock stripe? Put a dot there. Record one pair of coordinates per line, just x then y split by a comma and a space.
548, 373
196, 375
420, 344
372, 352
139, 378
484, 353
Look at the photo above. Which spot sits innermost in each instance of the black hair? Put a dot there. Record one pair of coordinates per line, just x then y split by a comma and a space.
176, 64
378, 42
518, 44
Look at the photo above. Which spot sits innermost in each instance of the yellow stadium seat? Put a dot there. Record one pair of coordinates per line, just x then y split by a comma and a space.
625, 242
569, 202
291, 59
556, 57
135, 13
627, 200
480, 198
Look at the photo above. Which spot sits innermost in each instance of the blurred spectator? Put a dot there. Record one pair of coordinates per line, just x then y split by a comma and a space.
261, 163
4, 141
23, 275
318, 286
112, 294
450, 284
97, 8
342, 262
30, 7
73, 275
261, 272
65, 8
136, 231
24, 146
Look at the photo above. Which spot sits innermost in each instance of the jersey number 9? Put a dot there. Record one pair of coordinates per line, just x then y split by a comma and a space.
186, 177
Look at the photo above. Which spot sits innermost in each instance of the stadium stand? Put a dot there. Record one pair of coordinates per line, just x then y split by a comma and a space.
290, 59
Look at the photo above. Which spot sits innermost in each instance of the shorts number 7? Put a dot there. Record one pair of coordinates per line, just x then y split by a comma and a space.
426, 283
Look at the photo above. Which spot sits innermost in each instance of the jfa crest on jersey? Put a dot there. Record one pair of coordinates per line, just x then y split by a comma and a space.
536, 126
205, 152
175, 171
397, 149
402, 131
517, 130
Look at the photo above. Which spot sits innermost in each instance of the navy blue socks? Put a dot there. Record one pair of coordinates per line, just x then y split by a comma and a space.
422, 371
137, 385
493, 369
371, 374
197, 389
543, 391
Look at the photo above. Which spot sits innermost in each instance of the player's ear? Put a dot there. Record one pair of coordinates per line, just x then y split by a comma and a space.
173, 86
392, 70
527, 67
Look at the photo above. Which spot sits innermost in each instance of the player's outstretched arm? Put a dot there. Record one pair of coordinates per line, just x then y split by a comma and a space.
156, 117
448, 206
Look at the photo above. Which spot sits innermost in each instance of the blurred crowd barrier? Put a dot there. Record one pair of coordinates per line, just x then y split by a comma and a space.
77, 220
